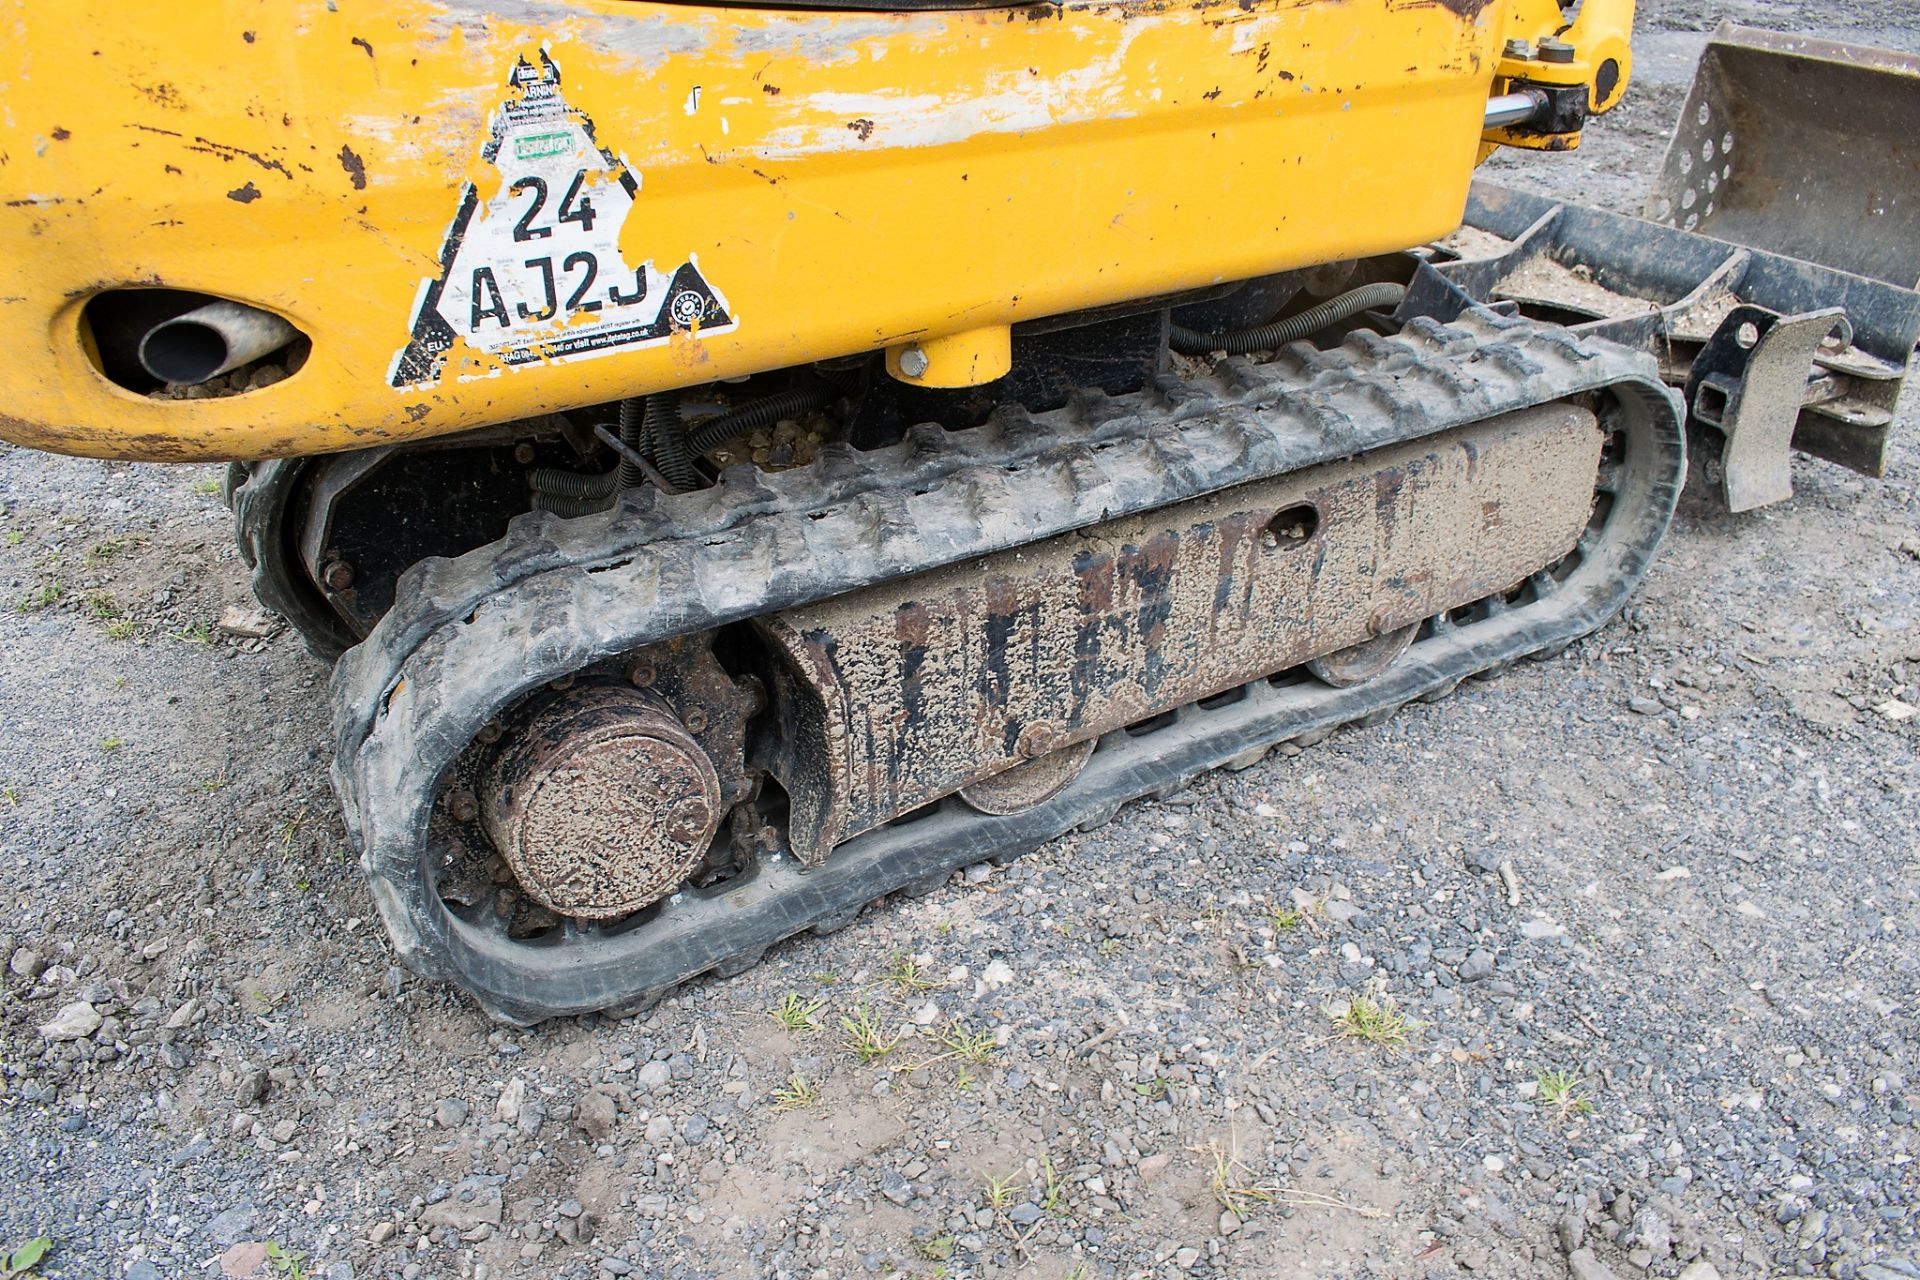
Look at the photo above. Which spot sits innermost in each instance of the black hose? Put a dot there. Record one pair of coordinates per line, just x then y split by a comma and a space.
578, 493
575, 486
734, 423
1190, 342
632, 427
667, 441
570, 508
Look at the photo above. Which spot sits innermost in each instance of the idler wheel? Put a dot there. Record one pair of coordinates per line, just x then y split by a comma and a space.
1358, 663
602, 804
1027, 784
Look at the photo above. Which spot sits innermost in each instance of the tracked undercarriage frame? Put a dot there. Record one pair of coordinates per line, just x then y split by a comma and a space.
1280, 478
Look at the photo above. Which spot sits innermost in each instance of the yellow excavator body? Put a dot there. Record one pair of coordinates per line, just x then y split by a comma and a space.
472, 213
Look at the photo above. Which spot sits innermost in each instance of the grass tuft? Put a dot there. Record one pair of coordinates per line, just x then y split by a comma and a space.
42, 597
864, 1036
1235, 1185
1372, 1017
1561, 1093
970, 1046
797, 1013
109, 548
906, 972
798, 1091
1053, 1188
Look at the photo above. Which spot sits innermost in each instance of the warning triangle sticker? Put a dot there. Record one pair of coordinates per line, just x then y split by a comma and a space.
534, 274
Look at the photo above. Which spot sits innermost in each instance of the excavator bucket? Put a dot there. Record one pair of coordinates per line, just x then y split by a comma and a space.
1801, 147
1777, 287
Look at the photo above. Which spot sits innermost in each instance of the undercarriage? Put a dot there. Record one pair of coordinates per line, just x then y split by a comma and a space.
749, 709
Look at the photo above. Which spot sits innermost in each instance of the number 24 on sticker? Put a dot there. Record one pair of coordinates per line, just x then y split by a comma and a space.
577, 272
574, 207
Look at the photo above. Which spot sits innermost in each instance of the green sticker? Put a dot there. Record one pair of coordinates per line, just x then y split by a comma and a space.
537, 145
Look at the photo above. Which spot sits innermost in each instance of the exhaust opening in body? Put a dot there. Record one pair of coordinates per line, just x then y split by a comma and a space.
178, 344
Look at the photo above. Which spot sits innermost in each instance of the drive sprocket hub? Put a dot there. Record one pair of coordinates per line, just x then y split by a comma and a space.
602, 804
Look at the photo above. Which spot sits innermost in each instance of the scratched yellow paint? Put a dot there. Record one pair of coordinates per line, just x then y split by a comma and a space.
849, 181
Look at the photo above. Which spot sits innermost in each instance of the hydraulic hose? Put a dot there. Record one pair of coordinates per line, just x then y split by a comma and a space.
632, 426
667, 441
648, 425
734, 423
575, 486
1266, 337
652, 426
570, 508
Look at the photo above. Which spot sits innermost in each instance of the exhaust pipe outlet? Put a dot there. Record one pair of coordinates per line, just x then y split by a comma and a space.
208, 341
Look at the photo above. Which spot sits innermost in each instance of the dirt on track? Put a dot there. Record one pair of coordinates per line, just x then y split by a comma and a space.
1648, 911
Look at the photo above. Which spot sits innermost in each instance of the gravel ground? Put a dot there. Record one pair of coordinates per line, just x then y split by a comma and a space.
1647, 912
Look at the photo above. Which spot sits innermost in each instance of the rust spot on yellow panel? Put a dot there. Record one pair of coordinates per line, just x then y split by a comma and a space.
356, 167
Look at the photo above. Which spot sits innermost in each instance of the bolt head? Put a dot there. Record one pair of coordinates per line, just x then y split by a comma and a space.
523, 453
688, 818
643, 675
1521, 49
914, 362
1035, 740
338, 575
1555, 50
464, 806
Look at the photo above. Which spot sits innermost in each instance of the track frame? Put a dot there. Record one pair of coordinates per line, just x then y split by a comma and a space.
563, 595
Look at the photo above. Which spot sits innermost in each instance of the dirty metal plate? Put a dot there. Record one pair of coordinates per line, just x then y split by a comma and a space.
1748, 383
905, 692
1583, 267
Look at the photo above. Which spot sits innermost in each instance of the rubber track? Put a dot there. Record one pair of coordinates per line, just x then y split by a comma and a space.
260, 495
557, 596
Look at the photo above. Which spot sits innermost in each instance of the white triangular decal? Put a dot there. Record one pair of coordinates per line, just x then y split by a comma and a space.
535, 274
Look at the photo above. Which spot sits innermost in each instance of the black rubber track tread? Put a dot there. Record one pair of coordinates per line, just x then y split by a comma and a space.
260, 495
466, 637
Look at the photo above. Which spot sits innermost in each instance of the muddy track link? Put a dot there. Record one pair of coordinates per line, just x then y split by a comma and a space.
261, 497
558, 596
